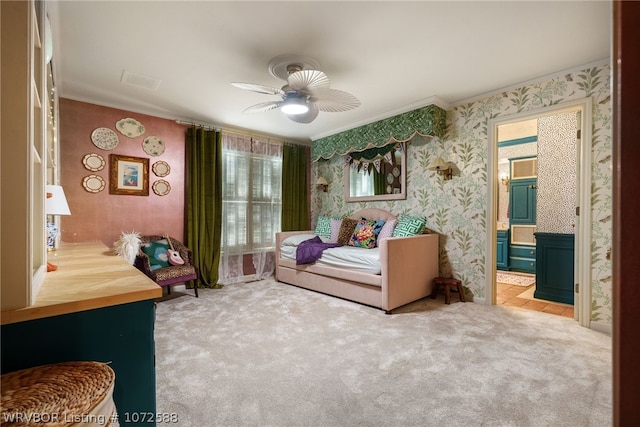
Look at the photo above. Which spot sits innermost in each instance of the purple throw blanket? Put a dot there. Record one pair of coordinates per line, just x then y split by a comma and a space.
311, 250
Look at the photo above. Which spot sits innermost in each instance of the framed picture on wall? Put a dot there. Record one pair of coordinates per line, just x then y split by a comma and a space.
128, 175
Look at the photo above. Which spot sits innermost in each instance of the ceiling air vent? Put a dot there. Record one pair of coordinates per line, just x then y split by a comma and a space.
139, 80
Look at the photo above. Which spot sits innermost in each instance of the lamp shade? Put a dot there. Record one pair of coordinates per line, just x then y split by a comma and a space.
439, 164
294, 105
56, 202
322, 181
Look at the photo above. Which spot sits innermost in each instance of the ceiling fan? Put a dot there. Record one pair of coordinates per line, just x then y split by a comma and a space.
305, 94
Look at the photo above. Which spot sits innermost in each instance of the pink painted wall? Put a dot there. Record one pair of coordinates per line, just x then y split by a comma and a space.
103, 216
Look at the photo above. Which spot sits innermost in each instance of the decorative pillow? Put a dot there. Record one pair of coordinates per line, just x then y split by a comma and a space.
346, 230
323, 228
157, 253
409, 225
335, 229
366, 233
387, 229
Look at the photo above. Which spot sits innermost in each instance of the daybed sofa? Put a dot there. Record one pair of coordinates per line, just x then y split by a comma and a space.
408, 266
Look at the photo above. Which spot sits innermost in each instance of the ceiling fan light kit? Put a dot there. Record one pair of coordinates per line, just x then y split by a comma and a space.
294, 104
306, 92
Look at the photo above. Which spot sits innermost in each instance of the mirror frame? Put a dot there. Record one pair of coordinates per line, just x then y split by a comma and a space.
380, 197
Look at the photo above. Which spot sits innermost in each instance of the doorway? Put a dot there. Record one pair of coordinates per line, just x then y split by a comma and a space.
503, 219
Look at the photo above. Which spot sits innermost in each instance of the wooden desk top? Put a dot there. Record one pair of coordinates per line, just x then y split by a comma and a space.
89, 276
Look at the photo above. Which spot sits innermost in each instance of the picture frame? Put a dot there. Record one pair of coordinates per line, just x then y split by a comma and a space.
128, 175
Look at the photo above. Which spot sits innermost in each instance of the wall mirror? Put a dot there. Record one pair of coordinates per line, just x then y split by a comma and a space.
364, 181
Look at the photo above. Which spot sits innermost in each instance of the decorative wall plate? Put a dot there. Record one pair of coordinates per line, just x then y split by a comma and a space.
153, 146
161, 168
390, 178
104, 138
130, 127
395, 171
93, 162
161, 187
93, 183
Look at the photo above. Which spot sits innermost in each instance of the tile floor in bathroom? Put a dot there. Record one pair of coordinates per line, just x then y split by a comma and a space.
521, 296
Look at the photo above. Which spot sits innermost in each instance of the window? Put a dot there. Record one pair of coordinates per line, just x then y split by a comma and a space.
251, 194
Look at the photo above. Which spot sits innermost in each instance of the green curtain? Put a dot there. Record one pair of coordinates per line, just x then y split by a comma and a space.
204, 202
295, 203
379, 181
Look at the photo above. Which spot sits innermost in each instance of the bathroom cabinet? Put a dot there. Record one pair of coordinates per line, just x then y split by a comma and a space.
502, 253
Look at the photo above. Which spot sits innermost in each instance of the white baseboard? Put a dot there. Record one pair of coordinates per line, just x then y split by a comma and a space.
605, 328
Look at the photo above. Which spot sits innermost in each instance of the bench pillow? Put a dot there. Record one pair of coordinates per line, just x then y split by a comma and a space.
346, 230
157, 253
323, 228
387, 230
366, 233
409, 225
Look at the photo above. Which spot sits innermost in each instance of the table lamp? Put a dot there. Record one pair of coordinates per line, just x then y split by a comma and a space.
55, 204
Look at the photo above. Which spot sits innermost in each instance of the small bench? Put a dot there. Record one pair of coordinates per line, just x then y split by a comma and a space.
447, 282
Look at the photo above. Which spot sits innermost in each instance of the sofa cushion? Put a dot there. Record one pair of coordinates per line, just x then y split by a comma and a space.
346, 230
387, 230
366, 233
323, 228
157, 253
335, 229
409, 225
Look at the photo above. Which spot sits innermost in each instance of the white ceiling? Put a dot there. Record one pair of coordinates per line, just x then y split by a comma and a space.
394, 56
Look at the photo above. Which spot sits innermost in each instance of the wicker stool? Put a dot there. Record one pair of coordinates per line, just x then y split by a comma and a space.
447, 282
63, 394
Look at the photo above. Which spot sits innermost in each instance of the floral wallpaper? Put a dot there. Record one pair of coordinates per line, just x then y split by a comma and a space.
457, 209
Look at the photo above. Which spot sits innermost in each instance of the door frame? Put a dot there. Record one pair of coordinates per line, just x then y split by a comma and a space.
582, 299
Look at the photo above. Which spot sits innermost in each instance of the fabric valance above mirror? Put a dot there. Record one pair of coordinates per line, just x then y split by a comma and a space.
425, 121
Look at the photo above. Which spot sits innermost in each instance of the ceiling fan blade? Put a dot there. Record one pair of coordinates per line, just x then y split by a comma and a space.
263, 106
333, 100
308, 80
258, 88
307, 117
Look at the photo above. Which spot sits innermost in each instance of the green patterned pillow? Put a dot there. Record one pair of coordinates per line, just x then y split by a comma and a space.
409, 225
323, 228
157, 253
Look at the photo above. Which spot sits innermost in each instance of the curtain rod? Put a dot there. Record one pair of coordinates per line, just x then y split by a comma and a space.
242, 132
200, 125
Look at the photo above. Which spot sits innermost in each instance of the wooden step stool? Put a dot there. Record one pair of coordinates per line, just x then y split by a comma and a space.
447, 282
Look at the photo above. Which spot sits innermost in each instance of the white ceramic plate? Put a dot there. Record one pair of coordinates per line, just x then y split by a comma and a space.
396, 172
153, 146
93, 183
161, 168
161, 187
130, 127
104, 138
93, 162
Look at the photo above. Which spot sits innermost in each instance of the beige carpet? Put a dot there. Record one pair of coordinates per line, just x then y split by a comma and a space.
270, 354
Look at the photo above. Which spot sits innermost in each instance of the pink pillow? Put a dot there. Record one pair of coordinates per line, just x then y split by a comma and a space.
387, 230
335, 230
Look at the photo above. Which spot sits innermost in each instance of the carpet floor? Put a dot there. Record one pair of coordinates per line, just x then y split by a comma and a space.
271, 354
